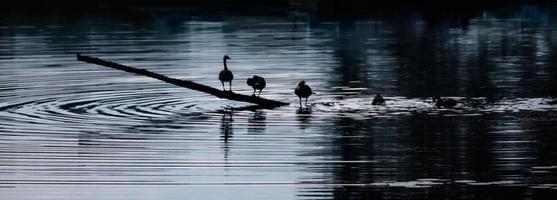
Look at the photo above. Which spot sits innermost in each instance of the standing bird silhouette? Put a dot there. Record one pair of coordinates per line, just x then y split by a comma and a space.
257, 83
226, 75
303, 91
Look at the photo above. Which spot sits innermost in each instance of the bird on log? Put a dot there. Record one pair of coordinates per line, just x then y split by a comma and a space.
226, 75
257, 83
264, 103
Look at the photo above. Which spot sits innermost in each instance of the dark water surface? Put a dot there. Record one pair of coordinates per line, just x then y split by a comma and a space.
71, 130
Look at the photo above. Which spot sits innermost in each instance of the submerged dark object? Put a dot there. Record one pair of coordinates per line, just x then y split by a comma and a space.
226, 75
444, 103
303, 91
378, 100
184, 83
257, 83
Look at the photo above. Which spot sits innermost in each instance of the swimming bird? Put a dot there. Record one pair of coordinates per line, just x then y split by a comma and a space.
226, 75
257, 83
378, 100
447, 103
303, 91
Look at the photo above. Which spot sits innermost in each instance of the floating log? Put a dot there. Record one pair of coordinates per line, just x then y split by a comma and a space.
184, 83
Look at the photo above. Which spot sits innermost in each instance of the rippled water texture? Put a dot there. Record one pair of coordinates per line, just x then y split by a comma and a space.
71, 130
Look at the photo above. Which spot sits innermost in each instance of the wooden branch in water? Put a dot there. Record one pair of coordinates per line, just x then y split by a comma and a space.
184, 83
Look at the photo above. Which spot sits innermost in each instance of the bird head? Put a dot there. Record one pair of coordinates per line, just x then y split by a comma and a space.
225, 57
301, 83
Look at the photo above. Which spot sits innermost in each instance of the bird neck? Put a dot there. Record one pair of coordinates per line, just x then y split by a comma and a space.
224, 62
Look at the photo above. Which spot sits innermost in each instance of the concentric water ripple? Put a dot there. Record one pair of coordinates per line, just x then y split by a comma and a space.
131, 105
153, 104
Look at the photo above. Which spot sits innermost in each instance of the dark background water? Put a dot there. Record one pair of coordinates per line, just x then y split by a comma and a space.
71, 130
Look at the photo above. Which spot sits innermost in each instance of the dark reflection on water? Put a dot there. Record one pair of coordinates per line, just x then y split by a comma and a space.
436, 157
104, 134
226, 131
303, 115
256, 122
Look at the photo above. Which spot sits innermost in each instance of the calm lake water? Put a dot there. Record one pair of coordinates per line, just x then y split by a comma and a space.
72, 130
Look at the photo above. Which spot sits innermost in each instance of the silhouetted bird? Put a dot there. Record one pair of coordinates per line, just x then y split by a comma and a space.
226, 75
257, 83
303, 91
378, 100
447, 103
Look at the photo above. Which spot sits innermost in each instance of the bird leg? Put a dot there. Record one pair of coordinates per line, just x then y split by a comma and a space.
259, 93
306, 101
300, 101
253, 92
230, 86
223, 86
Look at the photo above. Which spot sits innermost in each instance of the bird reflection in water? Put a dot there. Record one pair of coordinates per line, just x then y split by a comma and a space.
303, 116
256, 122
87, 138
226, 131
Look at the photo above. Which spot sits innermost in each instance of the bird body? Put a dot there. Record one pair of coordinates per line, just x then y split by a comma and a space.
378, 100
446, 103
303, 91
257, 83
226, 75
